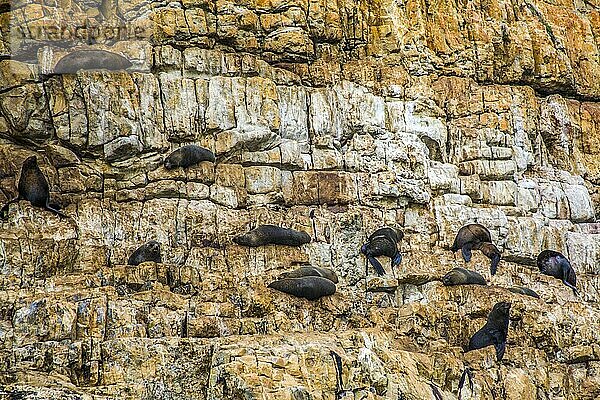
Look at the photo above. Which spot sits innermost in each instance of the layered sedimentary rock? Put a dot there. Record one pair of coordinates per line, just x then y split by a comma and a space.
332, 118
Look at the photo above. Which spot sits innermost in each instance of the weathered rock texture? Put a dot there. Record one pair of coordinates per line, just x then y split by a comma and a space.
330, 117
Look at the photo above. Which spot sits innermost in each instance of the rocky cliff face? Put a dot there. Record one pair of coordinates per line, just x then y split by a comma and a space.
331, 117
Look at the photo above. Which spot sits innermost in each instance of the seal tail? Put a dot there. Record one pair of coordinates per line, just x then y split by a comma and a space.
466, 373
376, 265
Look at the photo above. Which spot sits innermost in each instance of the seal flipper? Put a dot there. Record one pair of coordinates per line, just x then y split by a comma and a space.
60, 214
435, 391
569, 275
461, 383
338, 375
575, 291
50, 207
54, 205
500, 347
494, 264
397, 259
466, 251
376, 265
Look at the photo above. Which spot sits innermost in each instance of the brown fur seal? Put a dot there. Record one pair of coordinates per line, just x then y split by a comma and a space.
462, 276
187, 156
523, 290
271, 234
476, 237
553, 263
311, 271
383, 242
146, 252
494, 332
90, 59
32, 187
308, 287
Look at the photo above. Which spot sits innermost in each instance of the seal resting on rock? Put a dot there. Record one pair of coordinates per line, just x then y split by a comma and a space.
383, 242
308, 287
462, 276
553, 263
147, 252
311, 271
494, 332
272, 234
476, 237
32, 187
91, 59
524, 291
187, 156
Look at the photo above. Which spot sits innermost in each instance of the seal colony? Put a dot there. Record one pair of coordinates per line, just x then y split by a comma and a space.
312, 282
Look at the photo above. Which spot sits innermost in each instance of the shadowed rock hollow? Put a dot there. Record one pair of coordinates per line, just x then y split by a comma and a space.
332, 118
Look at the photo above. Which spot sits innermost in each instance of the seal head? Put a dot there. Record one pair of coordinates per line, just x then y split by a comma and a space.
147, 252
490, 251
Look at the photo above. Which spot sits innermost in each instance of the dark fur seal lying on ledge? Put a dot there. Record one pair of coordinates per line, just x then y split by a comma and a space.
90, 59
308, 287
271, 234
